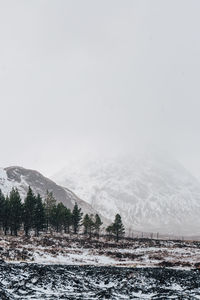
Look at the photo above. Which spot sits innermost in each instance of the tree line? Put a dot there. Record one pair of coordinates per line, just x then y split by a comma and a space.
38, 215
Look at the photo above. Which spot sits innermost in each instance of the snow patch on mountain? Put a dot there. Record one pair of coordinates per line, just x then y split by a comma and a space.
21, 178
6, 183
151, 192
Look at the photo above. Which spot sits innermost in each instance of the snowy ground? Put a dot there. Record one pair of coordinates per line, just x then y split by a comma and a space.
33, 281
63, 267
72, 251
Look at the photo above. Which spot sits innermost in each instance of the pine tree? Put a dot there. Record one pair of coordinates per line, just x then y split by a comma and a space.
109, 229
76, 218
49, 204
118, 227
6, 216
88, 224
29, 210
67, 220
39, 215
86, 221
91, 225
2, 204
57, 216
15, 211
97, 224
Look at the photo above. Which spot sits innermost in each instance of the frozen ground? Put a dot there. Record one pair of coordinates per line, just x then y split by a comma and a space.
63, 267
78, 251
33, 281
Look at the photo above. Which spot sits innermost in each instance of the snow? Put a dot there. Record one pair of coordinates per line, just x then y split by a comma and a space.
152, 193
5, 184
83, 258
32, 281
63, 251
21, 178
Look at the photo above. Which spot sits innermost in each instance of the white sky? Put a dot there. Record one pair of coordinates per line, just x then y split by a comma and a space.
90, 76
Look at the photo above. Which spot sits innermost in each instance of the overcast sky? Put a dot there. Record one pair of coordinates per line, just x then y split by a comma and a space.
80, 77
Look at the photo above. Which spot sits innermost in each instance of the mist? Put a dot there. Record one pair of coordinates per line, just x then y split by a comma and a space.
88, 78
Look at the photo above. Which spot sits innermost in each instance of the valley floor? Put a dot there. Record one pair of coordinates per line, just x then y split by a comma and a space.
33, 281
64, 267
62, 249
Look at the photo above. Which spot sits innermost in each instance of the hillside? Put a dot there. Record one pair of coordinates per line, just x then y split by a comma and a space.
21, 178
151, 192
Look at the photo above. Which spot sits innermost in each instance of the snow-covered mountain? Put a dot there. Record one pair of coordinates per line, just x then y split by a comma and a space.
22, 178
151, 192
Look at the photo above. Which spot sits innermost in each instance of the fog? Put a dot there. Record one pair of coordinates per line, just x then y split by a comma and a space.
83, 78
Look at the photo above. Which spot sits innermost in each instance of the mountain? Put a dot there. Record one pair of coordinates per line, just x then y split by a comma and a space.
22, 178
151, 192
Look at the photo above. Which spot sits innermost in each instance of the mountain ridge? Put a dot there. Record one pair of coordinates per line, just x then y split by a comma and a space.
21, 178
151, 192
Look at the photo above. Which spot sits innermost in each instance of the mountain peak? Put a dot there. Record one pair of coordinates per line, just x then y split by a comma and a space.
151, 192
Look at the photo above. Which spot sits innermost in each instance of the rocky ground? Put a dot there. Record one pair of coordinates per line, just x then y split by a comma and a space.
33, 281
69, 267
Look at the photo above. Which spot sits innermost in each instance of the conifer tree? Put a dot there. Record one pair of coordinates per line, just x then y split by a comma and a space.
67, 220
29, 210
109, 229
86, 221
91, 225
39, 215
15, 211
6, 216
76, 218
88, 224
61, 215
2, 204
97, 224
57, 216
49, 204
117, 228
